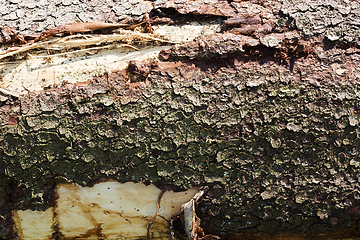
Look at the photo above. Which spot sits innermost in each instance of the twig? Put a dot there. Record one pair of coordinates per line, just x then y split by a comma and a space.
157, 213
76, 28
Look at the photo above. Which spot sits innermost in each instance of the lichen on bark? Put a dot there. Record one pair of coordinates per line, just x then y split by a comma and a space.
272, 144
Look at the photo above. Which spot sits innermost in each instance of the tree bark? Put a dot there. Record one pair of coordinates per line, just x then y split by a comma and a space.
269, 120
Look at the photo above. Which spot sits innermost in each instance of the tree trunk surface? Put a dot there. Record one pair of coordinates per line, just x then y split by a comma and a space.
265, 112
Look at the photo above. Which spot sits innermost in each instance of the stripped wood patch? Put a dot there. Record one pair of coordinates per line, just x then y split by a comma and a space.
108, 210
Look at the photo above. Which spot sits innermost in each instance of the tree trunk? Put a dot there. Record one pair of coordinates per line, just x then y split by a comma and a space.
265, 112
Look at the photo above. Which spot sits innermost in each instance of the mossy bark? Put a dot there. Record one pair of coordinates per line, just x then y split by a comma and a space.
275, 137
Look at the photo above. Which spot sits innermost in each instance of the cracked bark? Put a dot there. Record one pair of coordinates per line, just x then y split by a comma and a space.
269, 120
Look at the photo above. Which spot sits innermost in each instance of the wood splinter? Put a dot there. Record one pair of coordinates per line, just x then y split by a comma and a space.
6, 92
192, 222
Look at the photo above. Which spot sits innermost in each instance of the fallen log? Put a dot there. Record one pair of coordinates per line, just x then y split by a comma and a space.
267, 120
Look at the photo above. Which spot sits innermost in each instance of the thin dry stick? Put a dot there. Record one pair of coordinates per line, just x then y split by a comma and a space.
157, 213
76, 28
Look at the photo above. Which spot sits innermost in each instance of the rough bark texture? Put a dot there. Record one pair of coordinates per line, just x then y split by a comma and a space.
270, 121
